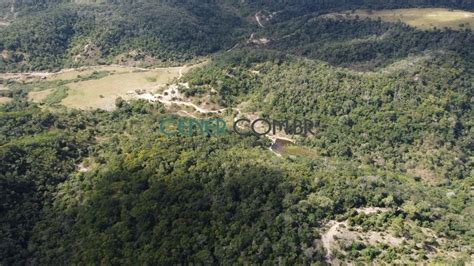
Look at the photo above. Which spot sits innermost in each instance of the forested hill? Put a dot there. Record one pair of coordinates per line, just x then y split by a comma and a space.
306, 6
56, 34
154, 32
313, 5
386, 178
88, 187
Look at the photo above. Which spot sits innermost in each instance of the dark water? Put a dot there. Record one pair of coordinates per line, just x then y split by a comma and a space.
279, 145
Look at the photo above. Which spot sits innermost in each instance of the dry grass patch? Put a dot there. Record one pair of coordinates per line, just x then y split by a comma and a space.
39, 96
102, 93
69, 74
423, 18
4, 100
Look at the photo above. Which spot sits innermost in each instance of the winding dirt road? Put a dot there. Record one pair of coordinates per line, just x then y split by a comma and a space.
258, 20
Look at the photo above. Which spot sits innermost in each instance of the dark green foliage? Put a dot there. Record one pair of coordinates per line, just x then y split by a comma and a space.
362, 44
150, 199
36, 156
55, 37
305, 6
52, 34
40, 40
378, 119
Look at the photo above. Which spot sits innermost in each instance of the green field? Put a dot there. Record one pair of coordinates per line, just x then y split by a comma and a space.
422, 18
99, 86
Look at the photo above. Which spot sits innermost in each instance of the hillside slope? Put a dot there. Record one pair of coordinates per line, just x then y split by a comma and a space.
386, 178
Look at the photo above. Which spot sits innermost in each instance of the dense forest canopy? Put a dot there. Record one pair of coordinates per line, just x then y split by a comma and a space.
272, 4
54, 34
153, 199
391, 160
375, 118
68, 35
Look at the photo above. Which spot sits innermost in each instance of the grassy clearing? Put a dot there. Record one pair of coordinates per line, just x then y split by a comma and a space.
422, 18
101, 93
39, 96
78, 73
96, 86
4, 100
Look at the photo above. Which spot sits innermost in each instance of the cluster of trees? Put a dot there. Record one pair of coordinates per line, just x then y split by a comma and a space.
54, 37
51, 34
149, 199
38, 42
291, 8
38, 152
88, 187
300, 6
391, 118
361, 43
